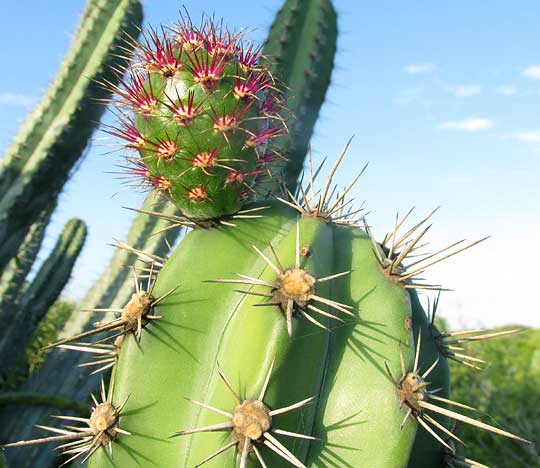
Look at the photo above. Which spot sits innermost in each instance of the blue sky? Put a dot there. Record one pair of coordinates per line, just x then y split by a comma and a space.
443, 102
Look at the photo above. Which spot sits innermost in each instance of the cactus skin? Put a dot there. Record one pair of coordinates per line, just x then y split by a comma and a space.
184, 340
36, 299
14, 275
301, 46
196, 108
204, 324
59, 374
52, 139
428, 452
360, 401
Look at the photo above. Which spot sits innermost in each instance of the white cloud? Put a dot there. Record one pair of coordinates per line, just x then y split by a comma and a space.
528, 136
468, 125
466, 91
14, 99
532, 72
417, 68
507, 90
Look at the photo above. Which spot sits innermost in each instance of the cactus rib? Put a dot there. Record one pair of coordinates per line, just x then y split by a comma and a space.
14, 274
36, 299
300, 47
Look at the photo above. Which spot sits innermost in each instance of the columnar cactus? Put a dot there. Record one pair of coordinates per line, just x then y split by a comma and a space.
279, 332
52, 139
35, 298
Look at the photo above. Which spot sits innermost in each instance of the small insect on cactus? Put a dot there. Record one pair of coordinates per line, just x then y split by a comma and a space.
200, 111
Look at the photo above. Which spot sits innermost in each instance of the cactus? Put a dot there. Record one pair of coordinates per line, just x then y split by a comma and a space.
38, 296
61, 374
320, 333
305, 68
14, 275
40, 160
279, 332
202, 118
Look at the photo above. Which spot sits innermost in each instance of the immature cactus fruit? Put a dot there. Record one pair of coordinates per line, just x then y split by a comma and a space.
199, 110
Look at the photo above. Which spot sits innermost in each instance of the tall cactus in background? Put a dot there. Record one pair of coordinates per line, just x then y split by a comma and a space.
14, 274
52, 139
36, 298
40, 160
300, 49
279, 332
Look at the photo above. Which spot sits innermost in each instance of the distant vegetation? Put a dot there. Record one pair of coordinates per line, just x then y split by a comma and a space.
508, 391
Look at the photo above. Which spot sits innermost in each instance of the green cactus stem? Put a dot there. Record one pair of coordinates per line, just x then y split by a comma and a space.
212, 375
427, 451
300, 48
196, 114
14, 274
61, 374
280, 330
50, 142
38, 296
359, 402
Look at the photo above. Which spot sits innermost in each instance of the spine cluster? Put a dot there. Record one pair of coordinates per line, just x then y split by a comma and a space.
197, 113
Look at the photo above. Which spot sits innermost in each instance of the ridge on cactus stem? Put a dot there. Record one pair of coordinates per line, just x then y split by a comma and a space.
415, 396
134, 316
293, 290
99, 430
251, 425
194, 117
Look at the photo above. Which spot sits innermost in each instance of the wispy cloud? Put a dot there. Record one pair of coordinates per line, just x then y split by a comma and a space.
468, 125
507, 90
466, 91
417, 68
532, 72
14, 99
528, 136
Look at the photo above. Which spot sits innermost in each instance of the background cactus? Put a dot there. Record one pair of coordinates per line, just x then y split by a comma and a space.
37, 297
40, 161
52, 139
306, 69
